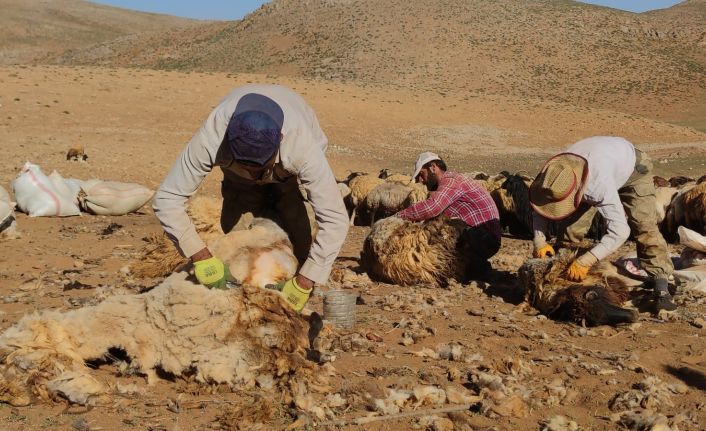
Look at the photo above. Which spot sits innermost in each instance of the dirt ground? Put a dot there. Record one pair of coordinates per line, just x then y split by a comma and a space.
134, 123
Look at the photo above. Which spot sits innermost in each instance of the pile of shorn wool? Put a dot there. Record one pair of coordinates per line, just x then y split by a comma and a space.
245, 338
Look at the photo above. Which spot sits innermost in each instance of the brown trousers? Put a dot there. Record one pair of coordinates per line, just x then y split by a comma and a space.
638, 199
282, 202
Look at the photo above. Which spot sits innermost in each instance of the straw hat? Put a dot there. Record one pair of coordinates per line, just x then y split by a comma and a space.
557, 191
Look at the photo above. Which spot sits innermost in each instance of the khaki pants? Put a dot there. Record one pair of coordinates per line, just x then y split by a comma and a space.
638, 199
284, 203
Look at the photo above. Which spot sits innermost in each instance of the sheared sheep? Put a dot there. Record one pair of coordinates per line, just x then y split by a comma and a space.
160, 257
242, 337
258, 256
594, 301
360, 186
408, 253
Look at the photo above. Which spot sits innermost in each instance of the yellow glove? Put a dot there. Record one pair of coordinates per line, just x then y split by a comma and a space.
579, 267
295, 295
544, 251
212, 273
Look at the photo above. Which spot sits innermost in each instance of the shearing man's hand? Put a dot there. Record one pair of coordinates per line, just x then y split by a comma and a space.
212, 273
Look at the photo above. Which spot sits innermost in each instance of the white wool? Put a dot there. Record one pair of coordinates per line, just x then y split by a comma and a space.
257, 256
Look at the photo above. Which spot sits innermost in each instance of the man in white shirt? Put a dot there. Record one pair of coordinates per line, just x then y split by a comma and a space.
267, 141
610, 174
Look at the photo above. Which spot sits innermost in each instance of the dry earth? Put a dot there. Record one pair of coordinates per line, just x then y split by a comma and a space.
134, 123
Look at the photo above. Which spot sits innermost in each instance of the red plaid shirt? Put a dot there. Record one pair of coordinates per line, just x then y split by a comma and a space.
456, 197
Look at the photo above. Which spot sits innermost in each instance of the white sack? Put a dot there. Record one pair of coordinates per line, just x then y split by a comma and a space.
8, 224
67, 188
112, 197
37, 196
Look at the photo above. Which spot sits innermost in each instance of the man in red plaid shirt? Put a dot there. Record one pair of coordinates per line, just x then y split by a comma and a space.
456, 196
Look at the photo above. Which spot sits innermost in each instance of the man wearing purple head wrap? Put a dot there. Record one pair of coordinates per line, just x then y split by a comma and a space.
268, 143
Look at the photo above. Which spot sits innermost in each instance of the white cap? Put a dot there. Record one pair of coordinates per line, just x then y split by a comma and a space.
422, 160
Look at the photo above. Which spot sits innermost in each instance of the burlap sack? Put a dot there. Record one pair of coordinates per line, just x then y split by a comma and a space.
112, 197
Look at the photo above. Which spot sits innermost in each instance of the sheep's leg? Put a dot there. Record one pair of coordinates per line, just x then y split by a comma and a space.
353, 211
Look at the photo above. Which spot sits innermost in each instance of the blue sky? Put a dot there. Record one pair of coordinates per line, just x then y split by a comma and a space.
236, 9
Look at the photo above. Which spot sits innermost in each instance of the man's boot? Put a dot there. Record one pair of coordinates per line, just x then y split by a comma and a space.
661, 296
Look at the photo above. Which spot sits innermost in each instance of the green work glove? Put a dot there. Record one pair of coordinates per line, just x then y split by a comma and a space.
212, 273
295, 295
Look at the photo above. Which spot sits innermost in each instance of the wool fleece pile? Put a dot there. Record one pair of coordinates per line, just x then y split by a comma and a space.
244, 338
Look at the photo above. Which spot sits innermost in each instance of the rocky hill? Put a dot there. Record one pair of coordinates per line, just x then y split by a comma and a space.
35, 29
650, 64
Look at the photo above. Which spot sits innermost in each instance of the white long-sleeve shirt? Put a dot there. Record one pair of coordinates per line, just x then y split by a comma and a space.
301, 153
611, 162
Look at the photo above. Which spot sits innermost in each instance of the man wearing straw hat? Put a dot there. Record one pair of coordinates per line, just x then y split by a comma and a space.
612, 176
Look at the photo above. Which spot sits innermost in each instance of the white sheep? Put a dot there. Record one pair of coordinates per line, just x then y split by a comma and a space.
360, 186
385, 200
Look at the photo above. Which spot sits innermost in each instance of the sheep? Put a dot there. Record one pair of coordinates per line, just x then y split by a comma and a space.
419, 193
663, 198
390, 177
676, 214
77, 154
360, 186
679, 181
385, 200
660, 181
242, 338
512, 200
407, 253
259, 256
159, 257
594, 302
695, 208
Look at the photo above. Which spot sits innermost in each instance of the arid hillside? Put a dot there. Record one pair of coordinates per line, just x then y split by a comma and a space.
33, 29
650, 64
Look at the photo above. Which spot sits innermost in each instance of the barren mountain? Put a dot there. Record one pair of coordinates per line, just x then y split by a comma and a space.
651, 64
32, 29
